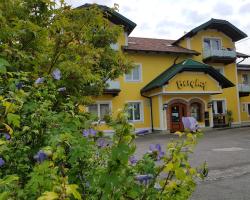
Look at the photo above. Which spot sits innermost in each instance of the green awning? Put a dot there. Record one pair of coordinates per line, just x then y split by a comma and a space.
187, 65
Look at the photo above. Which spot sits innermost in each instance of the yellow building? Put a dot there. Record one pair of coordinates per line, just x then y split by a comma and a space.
195, 75
244, 91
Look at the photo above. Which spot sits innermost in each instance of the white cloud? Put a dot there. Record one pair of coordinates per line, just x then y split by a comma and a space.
171, 18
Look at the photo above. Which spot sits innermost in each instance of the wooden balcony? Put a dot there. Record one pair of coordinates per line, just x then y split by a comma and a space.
224, 56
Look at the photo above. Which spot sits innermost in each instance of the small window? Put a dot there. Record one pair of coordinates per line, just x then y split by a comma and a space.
100, 110
248, 109
212, 43
196, 111
135, 74
244, 78
135, 111
219, 107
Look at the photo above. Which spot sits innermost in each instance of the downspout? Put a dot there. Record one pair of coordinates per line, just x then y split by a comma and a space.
151, 110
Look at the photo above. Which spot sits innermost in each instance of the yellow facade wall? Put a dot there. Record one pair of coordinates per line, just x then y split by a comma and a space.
230, 95
154, 64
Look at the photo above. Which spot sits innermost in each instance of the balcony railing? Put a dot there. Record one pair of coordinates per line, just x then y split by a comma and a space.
221, 55
113, 84
113, 87
244, 87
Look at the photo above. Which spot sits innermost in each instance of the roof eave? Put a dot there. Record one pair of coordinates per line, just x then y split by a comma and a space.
154, 51
128, 24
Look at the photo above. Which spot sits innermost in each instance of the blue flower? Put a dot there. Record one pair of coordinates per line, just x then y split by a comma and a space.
101, 143
89, 132
2, 162
6, 135
56, 74
144, 179
133, 160
62, 89
19, 85
40, 156
39, 80
156, 149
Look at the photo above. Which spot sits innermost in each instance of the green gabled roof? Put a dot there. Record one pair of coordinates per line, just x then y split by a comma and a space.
221, 25
187, 65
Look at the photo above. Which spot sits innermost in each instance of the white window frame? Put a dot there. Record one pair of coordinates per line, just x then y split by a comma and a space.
140, 74
98, 103
141, 110
211, 38
224, 106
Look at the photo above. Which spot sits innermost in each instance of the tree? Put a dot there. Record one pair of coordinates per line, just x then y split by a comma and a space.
39, 36
52, 59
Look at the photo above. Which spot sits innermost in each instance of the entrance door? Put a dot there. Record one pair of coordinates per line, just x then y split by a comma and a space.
177, 111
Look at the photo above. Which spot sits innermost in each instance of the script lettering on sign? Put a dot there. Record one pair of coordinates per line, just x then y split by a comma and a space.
191, 83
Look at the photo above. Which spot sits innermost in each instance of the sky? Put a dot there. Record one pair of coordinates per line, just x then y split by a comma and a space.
170, 19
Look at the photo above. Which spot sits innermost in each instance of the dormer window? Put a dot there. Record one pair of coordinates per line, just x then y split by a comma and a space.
212, 44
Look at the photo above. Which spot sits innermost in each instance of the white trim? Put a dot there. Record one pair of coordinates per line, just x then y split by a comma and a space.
161, 115
140, 74
141, 110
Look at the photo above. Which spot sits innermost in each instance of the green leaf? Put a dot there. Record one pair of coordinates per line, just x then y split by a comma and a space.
13, 119
4, 195
48, 196
72, 189
169, 167
8, 180
3, 64
180, 174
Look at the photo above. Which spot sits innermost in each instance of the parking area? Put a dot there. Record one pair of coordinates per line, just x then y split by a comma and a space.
227, 153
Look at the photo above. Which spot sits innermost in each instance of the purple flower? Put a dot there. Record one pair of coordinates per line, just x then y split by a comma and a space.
40, 156
6, 135
190, 123
85, 133
39, 80
19, 85
157, 150
101, 143
144, 179
133, 160
2, 162
89, 132
56, 74
62, 89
